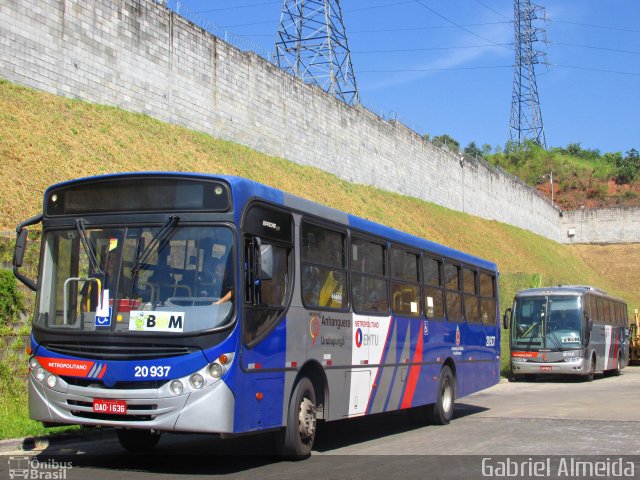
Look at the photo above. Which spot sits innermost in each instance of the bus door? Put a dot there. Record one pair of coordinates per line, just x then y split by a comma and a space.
267, 283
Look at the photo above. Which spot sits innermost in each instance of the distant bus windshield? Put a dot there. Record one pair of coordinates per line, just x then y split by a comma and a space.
553, 322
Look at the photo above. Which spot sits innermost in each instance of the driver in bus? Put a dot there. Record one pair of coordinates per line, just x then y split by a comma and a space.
226, 290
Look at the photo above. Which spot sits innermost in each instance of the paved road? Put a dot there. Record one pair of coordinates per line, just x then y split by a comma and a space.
556, 416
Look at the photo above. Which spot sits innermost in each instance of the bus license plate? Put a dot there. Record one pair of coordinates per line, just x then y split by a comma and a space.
546, 369
114, 407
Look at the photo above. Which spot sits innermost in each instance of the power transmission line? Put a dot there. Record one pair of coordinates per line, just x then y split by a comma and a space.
461, 27
491, 9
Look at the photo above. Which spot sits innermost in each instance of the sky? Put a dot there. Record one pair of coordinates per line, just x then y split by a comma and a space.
446, 66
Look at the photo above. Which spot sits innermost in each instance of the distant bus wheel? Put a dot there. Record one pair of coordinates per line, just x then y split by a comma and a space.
301, 422
138, 441
618, 370
592, 370
442, 411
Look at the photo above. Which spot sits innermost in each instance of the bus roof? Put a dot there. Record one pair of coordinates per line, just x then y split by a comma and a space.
565, 290
244, 190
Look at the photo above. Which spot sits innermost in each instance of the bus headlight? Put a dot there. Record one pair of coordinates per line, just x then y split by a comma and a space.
40, 374
215, 370
196, 380
176, 387
33, 363
52, 380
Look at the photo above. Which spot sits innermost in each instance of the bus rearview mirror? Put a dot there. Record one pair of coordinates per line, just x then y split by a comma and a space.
21, 246
506, 318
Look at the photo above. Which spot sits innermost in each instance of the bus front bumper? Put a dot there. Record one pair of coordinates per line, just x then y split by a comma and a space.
209, 409
574, 367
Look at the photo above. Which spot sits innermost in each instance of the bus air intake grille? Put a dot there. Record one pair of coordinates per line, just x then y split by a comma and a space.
101, 351
117, 418
92, 382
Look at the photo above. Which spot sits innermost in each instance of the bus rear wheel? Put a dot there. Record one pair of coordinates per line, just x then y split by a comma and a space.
300, 431
618, 369
138, 441
441, 412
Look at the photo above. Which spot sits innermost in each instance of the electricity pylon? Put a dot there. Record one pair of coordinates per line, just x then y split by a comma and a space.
312, 45
526, 118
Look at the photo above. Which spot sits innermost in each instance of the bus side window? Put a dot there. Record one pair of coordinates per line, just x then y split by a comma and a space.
405, 290
369, 283
488, 299
470, 287
323, 267
452, 292
432, 278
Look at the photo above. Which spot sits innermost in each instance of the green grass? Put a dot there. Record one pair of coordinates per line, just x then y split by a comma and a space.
46, 139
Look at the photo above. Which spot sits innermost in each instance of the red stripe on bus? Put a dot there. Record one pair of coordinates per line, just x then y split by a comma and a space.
414, 372
524, 354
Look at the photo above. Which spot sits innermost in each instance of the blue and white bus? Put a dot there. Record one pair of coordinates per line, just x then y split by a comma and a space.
174, 302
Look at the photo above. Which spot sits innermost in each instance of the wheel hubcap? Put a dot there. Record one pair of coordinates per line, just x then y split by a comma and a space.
307, 420
446, 395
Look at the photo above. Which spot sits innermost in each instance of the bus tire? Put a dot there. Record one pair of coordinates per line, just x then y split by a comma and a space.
138, 441
618, 370
300, 432
592, 370
441, 412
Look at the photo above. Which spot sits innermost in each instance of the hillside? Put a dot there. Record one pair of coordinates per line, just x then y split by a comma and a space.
46, 139
580, 177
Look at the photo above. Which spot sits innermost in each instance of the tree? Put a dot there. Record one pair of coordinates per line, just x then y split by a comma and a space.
472, 150
627, 168
447, 140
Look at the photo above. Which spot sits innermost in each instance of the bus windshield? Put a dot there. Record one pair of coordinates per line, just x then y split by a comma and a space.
168, 279
553, 322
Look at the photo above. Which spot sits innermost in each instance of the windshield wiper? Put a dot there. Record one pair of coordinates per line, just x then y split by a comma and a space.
555, 340
534, 332
168, 226
88, 248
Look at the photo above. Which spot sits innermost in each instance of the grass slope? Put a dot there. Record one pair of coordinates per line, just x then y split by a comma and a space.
46, 139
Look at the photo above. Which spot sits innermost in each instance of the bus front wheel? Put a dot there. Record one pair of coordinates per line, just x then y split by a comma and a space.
138, 441
441, 412
300, 431
592, 370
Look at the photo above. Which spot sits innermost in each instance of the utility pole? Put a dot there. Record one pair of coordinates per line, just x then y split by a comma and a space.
550, 177
312, 45
526, 118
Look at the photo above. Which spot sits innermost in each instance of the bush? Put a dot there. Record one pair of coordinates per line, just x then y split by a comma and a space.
11, 299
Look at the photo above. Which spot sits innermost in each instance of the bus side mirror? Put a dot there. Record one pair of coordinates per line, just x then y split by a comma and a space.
506, 319
588, 321
21, 246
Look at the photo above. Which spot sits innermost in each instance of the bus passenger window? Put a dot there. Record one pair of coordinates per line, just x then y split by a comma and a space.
452, 292
324, 274
488, 299
469, 285
433, 296
368, 280
405, 290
